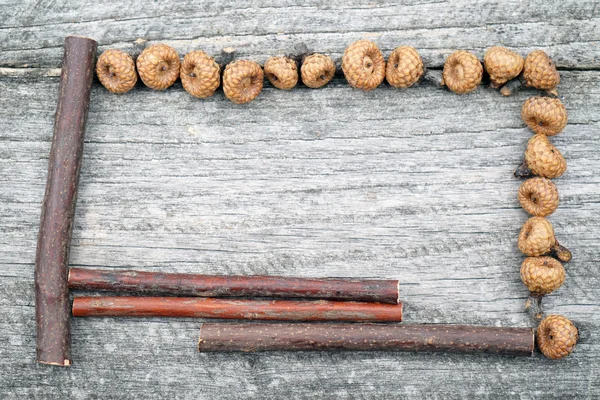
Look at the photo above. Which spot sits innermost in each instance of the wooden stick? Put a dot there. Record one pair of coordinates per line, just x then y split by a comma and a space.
382, 291
194, 307
251, 337
58, 209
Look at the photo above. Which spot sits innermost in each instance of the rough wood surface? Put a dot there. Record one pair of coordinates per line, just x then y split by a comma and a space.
253, 337
153, 283
413, 184
271, 310
52, 305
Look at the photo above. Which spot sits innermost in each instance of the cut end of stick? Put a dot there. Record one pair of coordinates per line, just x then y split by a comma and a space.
80, 37
200, 340
532, 342
65, 363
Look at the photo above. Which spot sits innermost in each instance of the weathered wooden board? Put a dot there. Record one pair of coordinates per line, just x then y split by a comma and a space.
414, 184
32, 32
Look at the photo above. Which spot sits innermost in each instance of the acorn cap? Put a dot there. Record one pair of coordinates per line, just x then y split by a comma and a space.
540, 72
536, 237
542, 275
282, 72
544, 115
317, 70
116, 71
363, 65
557, 336
200, 74
502, 64
404, 67
462, 72
538, 196
543, 159
242, 81
158, 66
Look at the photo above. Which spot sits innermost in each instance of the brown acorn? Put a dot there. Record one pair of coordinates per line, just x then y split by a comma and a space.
502, 65
158, 66
462, 72
317, 70
542, 159
200, 74
538, 196
540, 72
116, 71
242, 81
542, 275
557, 337
544, 115
282, 72
363, 65
404, 67
537, 239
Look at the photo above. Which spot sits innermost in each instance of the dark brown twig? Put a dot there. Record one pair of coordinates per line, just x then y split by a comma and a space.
58, 209
251, 337
382, 291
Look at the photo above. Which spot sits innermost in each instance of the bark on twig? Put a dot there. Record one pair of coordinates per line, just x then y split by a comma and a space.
193, 307
252, 337
382, 291
58, 209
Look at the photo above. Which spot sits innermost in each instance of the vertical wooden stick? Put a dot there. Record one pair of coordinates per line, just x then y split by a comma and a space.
51, 291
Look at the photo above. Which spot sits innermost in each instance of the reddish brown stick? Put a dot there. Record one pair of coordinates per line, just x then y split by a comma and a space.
251, 337
382, 291
194, 307
58, 209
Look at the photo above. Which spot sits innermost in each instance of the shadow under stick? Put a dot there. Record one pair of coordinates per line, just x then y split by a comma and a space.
252, 337
51, 291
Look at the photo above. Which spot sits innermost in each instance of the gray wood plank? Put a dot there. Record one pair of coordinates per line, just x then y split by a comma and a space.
32, 32
410, 184
413, 184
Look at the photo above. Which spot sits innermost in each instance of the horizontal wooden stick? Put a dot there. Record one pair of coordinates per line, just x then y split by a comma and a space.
194, 307
251, 337
382, 291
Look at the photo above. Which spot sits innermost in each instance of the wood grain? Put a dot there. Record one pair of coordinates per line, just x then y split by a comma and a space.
413, 184
253, 337
251, 309
152, 283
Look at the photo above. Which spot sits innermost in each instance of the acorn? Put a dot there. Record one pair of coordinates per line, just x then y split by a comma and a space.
542, 275
404, 67
542, 159
363, 65
557, 336
282, 72
502, 65
538, 196
200, 74
116, 71
158, 66
317, 70
537, 239
242, 81
540, 72
462, 72
544, 115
